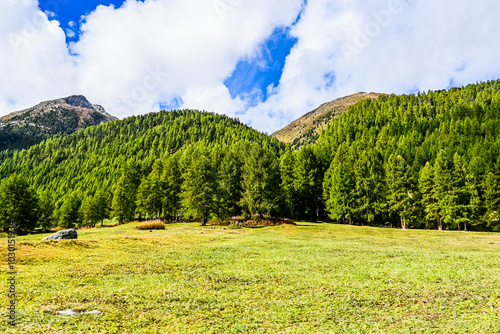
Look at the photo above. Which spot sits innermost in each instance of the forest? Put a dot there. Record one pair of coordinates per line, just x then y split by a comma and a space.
429, 160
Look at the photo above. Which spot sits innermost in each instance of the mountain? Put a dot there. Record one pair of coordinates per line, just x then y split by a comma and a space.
27, 127
306, 129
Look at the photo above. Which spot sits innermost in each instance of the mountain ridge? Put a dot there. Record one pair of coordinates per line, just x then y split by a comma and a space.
63, 116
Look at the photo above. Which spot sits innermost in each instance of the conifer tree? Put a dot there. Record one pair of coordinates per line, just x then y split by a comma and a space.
70, 215
199, 186
401, 192
46, 212
339, 187
287, 165
172, 181
492, 200
18, 204
261, 182
429, 197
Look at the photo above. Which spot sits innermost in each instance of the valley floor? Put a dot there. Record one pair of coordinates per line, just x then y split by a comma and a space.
310, 278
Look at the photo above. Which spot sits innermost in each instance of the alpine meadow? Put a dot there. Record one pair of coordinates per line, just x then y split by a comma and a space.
384, 220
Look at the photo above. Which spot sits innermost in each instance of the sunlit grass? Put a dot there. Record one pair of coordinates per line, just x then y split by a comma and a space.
310, 278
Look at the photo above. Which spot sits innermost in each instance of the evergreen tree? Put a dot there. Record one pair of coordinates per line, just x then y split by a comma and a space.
308, 184
443, 179
287, 166
229, 179
101, 206
171, 181
369, 189
261, 183
151, 193
70, 215
46, 212
125, 194
430, 197
18, 204
339, 188
492, 200
199, 187
401, 191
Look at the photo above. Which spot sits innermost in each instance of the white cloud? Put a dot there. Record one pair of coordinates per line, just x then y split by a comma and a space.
197, 44
34, 64
386, 46
132, 58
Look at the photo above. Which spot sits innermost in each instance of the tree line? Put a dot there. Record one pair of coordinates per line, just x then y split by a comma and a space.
426, 160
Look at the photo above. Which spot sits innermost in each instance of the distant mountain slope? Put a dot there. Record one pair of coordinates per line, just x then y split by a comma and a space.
306, 129
27, 127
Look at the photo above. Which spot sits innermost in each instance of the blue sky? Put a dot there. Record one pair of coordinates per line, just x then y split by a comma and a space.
66, 11
251, 77
267, 62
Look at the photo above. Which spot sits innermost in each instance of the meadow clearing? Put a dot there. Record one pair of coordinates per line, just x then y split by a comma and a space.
309, 278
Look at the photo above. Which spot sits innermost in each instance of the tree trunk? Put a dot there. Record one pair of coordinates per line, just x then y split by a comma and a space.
204, 222
440, 222
465, 226
403, 223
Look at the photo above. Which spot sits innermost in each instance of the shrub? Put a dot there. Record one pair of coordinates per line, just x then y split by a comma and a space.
157, 225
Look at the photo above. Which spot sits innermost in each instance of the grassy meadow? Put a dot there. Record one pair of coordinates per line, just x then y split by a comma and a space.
309, 278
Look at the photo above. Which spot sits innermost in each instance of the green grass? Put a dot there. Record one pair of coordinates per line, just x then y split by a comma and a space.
310, 278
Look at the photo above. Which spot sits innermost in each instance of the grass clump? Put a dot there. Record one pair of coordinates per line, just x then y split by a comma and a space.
157, 225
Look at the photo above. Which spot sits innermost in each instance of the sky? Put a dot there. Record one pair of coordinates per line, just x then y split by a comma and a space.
267, 62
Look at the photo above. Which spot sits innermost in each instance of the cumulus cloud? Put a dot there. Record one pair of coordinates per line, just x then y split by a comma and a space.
142, 55
389, 46
196, 43
34, 62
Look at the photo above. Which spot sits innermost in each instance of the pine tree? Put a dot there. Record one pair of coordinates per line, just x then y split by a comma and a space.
401, 191
199, 187
443, 180
151, 193
171, 181
70, 215
101, 206
261, 183
46, 213
429, 196
492, 200
18, 204
287, 166
229, 178
125, 194
308, 183
369, 188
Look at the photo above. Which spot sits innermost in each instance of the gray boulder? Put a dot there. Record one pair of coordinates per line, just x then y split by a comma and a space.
64, 234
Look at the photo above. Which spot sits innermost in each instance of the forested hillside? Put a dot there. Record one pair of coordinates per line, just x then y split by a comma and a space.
429, 160
426, 160
73, 169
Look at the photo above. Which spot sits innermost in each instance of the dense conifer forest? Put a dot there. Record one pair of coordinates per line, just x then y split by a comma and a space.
428, 160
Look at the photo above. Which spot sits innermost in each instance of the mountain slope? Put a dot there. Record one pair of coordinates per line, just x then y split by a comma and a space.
93, 157
306, 129
27, 127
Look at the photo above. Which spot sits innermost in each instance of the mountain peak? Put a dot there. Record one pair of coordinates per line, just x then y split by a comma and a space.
62, 116
305, 129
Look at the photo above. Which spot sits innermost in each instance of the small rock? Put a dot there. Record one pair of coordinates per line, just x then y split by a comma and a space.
95, 312
64, 234
69, 313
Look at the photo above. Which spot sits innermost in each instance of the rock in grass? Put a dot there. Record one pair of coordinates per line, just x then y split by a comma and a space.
64, 234
69, 313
